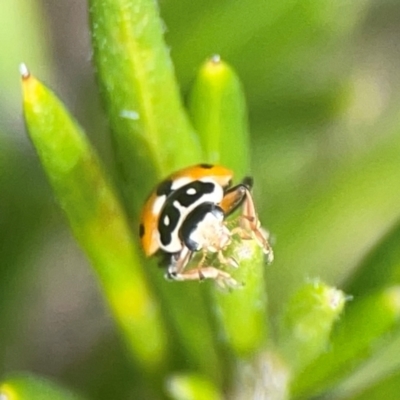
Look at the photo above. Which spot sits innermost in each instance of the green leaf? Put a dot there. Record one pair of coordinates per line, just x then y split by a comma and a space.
96, 219
358, 201
380, 268
218, 110
192, 387
23, 386
151, 132
388, 388
307, 322
355, 338
242, 310
187, 310
152, 136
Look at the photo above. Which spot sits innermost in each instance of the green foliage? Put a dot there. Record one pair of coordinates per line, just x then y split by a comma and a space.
307, 322
356, 337
149, 127
218, 110
243, 311
30, 387
387, 388
96, 219
191, 387
326, 186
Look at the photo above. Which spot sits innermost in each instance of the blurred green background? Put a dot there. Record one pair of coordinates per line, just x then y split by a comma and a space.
322, 83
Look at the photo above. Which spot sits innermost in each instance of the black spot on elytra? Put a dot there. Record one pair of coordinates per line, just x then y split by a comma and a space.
164, 188
206, 166
141, 230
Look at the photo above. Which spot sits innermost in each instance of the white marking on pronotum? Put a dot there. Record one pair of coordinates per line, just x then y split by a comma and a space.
24, 71
179, 182
159, 202
191, 191
130, 114
166, 220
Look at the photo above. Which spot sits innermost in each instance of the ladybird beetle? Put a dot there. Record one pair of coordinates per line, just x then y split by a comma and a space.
186, 214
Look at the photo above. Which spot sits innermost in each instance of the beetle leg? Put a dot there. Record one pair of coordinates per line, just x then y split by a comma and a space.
241, 231
250, 222
233, 198
227, 260
178, 262
176, 270
222, 278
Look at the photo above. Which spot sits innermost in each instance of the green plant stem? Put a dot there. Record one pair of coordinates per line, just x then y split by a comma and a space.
242, 311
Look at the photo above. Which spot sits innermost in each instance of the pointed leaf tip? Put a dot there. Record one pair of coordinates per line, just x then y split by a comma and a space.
24, 71
216, 59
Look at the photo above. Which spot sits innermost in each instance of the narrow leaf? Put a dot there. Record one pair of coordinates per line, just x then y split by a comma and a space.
96, 219
23, 386
151, 132
380, 268
388, 388
218, 110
